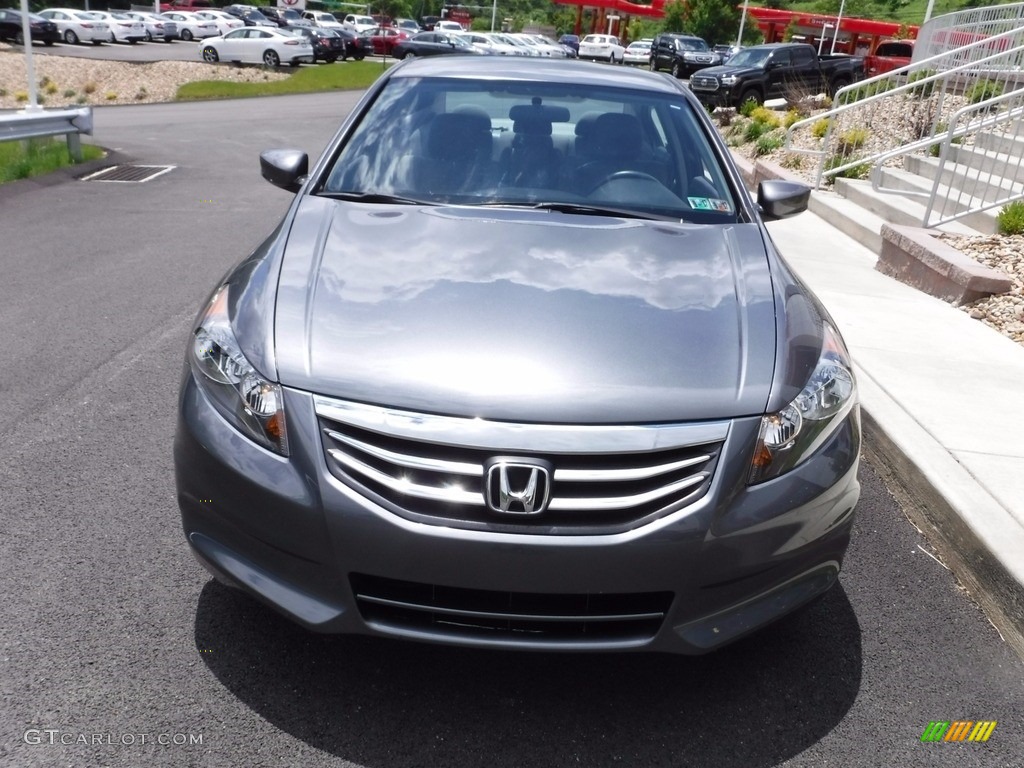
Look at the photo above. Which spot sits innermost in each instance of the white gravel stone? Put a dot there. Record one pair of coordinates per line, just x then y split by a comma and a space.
95, 82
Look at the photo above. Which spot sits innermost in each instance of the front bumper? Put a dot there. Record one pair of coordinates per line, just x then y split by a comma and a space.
288, 532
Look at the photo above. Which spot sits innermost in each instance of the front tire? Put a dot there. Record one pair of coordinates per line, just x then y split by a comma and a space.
70, 37
19, 38
409, 55
653, 65
210, 55
677, 70
271, 59
149, 36
112, 38
750, 94
186, 35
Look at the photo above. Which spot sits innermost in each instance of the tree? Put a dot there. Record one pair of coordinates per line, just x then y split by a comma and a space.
675, 16
715, 21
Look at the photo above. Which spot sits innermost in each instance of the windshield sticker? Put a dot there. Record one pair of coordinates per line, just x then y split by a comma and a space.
708, 204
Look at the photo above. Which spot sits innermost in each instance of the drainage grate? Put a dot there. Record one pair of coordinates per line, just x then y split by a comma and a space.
129, 173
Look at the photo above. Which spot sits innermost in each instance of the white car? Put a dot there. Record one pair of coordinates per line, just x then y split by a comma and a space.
225, 21
192, 26
259, 45
322, 19
123, 28
547, 48
602, 48
525, 49
638, 52
78, 26
447, 25
156, 27
358, 24
488, 44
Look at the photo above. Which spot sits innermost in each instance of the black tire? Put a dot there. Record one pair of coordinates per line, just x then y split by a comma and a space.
19, 38
271, 59
750, 94
359, 56
47, 42
210, 55
409, 55
186, 35
833, 88
330, 59
295, 63
70, 37
113, 38
149, 36
677, 70
97, 42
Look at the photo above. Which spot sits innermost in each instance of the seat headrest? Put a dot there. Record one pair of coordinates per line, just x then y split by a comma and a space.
615, 134
456, 134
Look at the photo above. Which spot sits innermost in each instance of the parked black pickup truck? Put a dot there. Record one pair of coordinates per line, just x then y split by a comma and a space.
773, 71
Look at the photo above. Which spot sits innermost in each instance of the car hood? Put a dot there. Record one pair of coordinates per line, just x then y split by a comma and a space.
525, 315
725, 69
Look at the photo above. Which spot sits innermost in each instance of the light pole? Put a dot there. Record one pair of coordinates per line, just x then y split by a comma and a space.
821, 39
839, 21
743, 19
494, 13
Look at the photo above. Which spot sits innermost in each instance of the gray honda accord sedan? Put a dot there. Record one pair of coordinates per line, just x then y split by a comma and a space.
521, 368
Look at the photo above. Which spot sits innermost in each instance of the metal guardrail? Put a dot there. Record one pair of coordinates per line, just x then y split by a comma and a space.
955, 30
32, 124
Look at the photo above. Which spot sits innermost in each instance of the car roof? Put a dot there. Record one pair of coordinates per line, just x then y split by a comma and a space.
523, 68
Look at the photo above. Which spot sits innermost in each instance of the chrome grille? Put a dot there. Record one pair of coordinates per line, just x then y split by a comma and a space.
606, 619
703, 83
433, 469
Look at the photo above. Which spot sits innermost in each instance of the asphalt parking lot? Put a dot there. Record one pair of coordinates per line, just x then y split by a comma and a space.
109, 629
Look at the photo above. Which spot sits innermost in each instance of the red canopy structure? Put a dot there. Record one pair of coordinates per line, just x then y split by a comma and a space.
853, 35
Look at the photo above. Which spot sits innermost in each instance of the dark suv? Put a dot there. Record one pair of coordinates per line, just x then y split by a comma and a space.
285, 17
681, 54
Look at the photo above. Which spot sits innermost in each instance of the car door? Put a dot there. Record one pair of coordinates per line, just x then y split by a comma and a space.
780, 73
806, 70
232, 47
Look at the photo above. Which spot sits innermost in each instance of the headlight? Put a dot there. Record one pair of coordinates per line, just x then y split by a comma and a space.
253, 405
792, 434
728, 79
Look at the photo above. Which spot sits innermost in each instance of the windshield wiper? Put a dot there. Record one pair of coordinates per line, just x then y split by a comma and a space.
592, 210
373, 197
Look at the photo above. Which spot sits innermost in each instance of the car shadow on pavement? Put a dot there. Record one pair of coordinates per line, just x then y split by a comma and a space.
385, 703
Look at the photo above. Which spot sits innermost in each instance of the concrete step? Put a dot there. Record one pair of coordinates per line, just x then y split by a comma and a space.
849, 218
1007, 144
1010, 167
987, 184
897, 208
949, 200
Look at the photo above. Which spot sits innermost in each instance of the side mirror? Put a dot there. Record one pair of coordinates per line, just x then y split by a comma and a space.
780, 199
285, 168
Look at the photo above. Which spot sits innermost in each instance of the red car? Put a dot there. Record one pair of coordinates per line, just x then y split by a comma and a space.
888, 55
384, 39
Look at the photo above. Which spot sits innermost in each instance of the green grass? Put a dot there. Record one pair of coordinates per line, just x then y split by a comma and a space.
352, 75
22, 160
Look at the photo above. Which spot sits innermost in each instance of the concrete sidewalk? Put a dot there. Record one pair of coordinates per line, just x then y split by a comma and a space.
943, 401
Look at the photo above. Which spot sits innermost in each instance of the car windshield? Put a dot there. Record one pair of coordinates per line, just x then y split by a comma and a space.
751, 57
561, 146
692, 45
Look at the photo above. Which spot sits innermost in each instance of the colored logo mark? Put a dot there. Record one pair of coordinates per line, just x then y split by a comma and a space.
958, 730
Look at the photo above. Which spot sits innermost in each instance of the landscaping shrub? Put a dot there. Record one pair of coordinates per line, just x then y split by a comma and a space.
924, 90
765, 116
747, 107
1010, 219
769, 143
820, 127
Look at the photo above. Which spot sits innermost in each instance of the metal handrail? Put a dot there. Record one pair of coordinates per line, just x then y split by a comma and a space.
1016, 114
927, 83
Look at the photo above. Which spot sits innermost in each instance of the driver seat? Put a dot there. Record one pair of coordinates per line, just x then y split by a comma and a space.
613, 142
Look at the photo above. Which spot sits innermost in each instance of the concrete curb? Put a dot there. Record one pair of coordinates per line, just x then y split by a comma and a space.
975, 536
913, 256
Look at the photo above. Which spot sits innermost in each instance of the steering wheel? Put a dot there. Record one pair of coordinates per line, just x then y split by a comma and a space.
618, 175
